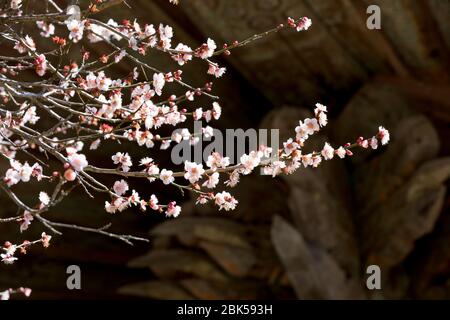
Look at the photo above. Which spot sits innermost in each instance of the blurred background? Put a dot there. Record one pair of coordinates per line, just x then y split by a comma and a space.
310, 235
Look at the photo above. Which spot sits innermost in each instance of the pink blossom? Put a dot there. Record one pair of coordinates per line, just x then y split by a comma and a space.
26, 221
40, 64
122, 159
166, 176
193, 172
215, 70
215, 160
16, 4
44, 198
373, 143
327, 152
173, 210
45, 238
290, 146
120, 187
158, 82
153, 202
207, 49
78, 161
76, 29
225, 201
304, 24
212, 181
48, 29
341, 152
383, 135
184, 54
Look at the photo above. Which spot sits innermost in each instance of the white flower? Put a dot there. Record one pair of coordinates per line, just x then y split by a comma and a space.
76, 29
94, 145
16, 4
166, 176
311, 126
250, 161
275, 168
120, 56
207, 49
8, 256
215, 70
233, 179
327, 152
47, 29
44, 198
373, 142
212, 181
215, 160
184, 54
225, 201
341, 152
153, 202
289, 146
304, 24
383, 134
103, 82
77, 161
27, 218
146, 161
193, 170
173, 210
158, 82
4, 295
122, 159
120, 187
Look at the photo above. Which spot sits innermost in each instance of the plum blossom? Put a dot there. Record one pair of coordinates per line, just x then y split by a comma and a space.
76, 29
48, 29
250, 161
212, 181
44, 198
16, 4
166, 176
289, 146
153, 202
78, 161
183, 55
225, 201
8, 256
215, 70
123, 160
207, 49
45, 238
303, 24
26, 221
275, 168
215, 160
173, 210
40, 64
158, 82
383, 135
341, 152
23, 48
193, 172
327, 152
120, 187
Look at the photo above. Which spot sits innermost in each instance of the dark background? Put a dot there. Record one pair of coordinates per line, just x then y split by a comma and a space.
309, 235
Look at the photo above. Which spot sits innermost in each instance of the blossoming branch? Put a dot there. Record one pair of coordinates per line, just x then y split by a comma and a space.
61, 105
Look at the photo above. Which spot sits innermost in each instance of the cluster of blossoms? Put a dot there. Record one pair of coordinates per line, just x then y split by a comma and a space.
9, 249
84, 108
6, 295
